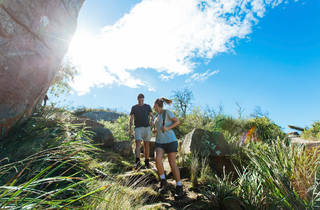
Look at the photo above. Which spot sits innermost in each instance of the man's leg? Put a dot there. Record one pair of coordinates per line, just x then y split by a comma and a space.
137, 153
138, 148
138, 136
146, 145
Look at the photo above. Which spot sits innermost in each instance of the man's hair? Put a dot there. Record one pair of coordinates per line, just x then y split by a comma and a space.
140, 95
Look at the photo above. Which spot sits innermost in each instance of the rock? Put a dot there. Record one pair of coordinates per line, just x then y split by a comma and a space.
103, 136
106, 116
213, 146
124, 148
205, 143
34, 37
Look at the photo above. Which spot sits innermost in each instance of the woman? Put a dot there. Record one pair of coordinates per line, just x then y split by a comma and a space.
166, 142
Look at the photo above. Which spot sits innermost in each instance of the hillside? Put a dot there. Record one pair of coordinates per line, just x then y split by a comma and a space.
52, 162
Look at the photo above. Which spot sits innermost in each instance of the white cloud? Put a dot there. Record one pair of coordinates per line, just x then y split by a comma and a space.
163, 35
166, 77
201, 76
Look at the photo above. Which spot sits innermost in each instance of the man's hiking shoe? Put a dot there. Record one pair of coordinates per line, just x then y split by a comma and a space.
147, 164
163, 186
179, 192
138, 165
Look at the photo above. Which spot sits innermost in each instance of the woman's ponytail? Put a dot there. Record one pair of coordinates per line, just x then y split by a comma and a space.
166, 101
160, 101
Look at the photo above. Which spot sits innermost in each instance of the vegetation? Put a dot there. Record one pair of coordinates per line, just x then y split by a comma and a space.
56, 164
61, 82
119, 128
313, 133
51, 162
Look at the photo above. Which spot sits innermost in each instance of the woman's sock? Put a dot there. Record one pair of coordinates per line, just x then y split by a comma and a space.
162, 176
179, 183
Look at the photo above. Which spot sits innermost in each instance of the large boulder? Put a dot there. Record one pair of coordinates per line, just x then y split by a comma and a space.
102, 136
124, 148
210, 145
34, 37
205, 143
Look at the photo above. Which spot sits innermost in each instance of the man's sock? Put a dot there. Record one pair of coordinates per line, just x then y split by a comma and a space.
179, 183
162, 176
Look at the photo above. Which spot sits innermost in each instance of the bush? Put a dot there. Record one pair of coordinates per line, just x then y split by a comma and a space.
312, 133
267, 130
119, 128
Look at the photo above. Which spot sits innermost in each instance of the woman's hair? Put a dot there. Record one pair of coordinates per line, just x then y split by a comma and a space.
160, 101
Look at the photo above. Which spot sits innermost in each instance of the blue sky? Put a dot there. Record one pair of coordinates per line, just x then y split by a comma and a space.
272, 62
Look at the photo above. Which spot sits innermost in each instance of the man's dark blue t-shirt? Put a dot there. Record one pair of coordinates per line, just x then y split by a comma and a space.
141, 115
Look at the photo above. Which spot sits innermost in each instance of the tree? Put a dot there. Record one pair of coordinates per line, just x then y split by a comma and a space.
240, 110
182, 100
258, 113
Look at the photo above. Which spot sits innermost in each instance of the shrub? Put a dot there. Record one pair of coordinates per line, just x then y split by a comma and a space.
312, 133
267, 130
119, 128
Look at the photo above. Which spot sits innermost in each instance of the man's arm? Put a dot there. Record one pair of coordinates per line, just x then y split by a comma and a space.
151, 119
130, 125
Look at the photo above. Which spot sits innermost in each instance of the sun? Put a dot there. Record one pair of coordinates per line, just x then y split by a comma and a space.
83, 49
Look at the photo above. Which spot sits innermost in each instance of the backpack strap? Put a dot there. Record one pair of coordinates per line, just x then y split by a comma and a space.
164, 115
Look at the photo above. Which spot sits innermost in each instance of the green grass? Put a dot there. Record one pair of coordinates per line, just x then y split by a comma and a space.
48, 162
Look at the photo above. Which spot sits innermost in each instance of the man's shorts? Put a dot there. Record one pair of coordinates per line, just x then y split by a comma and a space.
142, 133
169, 147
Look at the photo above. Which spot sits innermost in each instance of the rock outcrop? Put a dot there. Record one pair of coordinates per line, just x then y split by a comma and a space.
34, 37
102, 136
205, 143
99, 115
210, 145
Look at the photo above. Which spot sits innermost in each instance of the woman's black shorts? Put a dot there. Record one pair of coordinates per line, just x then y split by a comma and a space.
169, 147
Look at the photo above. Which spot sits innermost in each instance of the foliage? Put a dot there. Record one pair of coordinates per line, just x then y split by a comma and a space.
61, 82
196, 119
119, 128
82, 110
312, 133
272, 176
55, 166
46, 174
267, 130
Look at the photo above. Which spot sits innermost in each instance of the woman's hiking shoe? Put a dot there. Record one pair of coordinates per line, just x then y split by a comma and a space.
179, 192
163, 186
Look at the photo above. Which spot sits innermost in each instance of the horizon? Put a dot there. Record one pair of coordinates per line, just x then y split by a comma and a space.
261, 55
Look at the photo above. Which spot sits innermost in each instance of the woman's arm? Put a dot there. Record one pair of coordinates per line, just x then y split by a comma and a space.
175, 123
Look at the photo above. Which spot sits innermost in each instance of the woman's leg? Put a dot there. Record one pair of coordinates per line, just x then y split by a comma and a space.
159, 159
173, 165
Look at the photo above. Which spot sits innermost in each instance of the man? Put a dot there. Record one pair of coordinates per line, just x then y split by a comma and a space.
142, 114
